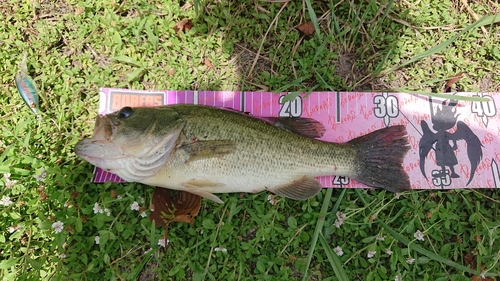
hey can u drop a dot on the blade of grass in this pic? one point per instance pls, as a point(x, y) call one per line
point(487, 20)
point(320, 223)
point(137, 73)
point(334, 19)
point(313, 17)
point(387, 10)
point(334, 260)
point(318, 229)
point(295, 83)
point(439, 95)
point(196, 6)
point(14, 171)
point(140, 267)
point(149, 254)
point(357, 21)
point(127, 59)
point(323, 82)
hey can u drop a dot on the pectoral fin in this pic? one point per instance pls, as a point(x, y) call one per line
point(197, 186)
point(301, 189)
point(208, 149)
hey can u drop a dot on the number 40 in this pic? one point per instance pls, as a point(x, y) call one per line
point(484, 108)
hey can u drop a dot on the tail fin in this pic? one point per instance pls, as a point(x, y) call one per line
point(380, 156)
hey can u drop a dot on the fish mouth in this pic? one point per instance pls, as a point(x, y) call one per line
point(104, 128)
point(100, 150)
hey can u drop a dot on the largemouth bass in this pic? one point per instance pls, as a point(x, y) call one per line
point(206, 150)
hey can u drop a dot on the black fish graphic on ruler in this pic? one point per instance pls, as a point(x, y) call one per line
point(443, 120)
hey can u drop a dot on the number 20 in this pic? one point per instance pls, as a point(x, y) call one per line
point(291, 108)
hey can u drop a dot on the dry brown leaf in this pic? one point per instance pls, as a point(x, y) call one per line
point(173, 206)
point(453, 80)
point(479, 278)
point(307, 28)
point(208, 63)
point(470, 261)
point(183, 26)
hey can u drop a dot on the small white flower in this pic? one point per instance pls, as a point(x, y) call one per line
point(338, 251)
point(163, 243)
point(483, 276)
point(201, 231)
point(143, 214)
point(340, 215)
point(134, 206)
point(58, 226)
point(41, 176)
point(11, 229)
point(338, 223)
point(340, 219)
point(97, 209)
point(10, 183)
point(220, 249)
point(410, 260)
point(6, 201)
point(389, 252)
point(380, 238)
point(62, 256)
point(419, 235)
point(142, 200)
point(371, 254)
point(398, 278)
point(107, 211)
point(97, 239)
point(67, 204)
point(271, 200)
point(119, 197)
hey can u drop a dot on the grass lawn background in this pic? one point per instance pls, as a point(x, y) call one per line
point(76, 47)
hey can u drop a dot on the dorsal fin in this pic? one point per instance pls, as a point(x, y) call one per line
point(307, 127)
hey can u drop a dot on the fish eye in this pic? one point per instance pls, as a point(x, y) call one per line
point(125, 112)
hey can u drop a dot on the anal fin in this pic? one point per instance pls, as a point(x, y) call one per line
point(301, 189)
point(196, 187)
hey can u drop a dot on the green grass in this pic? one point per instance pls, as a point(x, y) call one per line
point(75, 47)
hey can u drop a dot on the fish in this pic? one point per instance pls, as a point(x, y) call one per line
point(207, 150)
point(26, 86)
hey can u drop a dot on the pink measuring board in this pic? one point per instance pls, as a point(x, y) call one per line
point(454, 144)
